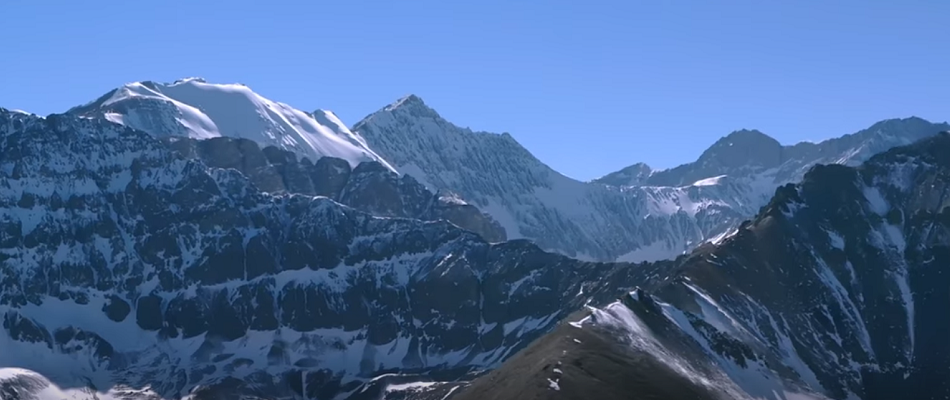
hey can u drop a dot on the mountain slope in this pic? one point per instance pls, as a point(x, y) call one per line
point(197, 109)
point(370, 187)
point(533, 201)
point(129, 271)
point(837, 289)
point(593, 220)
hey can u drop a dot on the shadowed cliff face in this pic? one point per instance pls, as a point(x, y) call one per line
point(370, 187)
point(837, 289)
point(127, 269)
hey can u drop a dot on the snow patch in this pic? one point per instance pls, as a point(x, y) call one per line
point(411, 386)
point(709, 181)
point(836, 240)
point(875, 200)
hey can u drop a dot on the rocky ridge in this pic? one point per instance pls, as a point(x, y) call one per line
point(836, 290)
point(130, 271)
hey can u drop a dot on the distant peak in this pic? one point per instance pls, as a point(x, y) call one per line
point(748, 134)
point(743, 147)
point(746, 138)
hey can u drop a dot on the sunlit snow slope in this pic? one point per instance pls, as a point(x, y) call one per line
point(197, 109)
point(634, 215)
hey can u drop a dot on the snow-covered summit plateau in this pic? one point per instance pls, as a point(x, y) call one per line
point(197, 109)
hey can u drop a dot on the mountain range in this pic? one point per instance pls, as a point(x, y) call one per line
point(196, 240)
point(613, 218)
point(837, 289)
point(635, 214)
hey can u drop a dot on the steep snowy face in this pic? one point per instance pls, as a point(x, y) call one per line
point(128, 270)
point(528, 198)
point(661, 215)
point(197, 109)
point(583, 220)
point(838, 289)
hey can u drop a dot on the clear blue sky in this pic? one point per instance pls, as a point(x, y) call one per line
point(587, 86)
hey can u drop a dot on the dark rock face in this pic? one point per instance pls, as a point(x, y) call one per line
point(124, 265)
point(837, 289)
point(369, 187)
point(571, 363)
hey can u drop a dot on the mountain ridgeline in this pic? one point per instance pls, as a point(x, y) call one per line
point(199, 241)
point(667, 214)
point(131, 270)
point(837, 289)
point(633, 215)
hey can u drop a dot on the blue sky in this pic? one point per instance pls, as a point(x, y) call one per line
point(588, 87)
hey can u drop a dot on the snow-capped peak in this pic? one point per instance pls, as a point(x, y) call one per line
point(194, 108)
